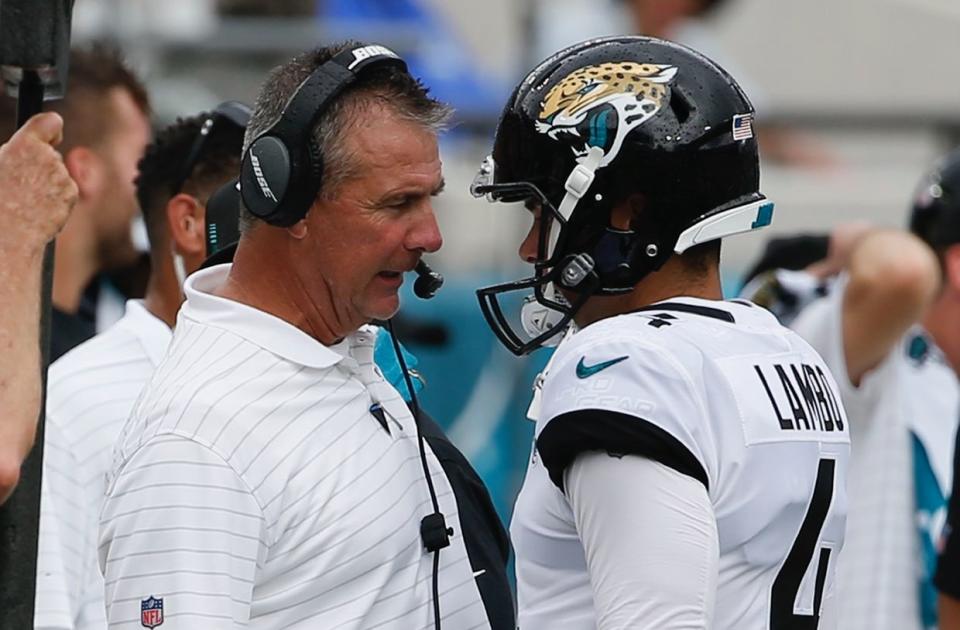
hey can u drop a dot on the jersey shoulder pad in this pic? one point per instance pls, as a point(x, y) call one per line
point(611, 388)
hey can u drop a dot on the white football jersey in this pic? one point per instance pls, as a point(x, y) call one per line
point(719, 391)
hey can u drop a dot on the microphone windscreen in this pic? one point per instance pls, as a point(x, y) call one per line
point(428, 281)
point(35, 35)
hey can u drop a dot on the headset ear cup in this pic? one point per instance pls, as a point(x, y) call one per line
point(265, 178)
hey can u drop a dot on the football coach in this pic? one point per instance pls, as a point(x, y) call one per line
point(269, 476)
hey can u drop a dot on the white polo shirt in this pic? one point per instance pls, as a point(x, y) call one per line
point(253, 486)
point(90, 393)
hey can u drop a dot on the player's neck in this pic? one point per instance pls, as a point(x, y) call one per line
point(164, 295)
point(671, 281)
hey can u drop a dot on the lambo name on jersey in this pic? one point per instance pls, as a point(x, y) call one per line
point(718, 391)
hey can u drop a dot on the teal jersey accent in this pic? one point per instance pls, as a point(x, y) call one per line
point(386, 359)
point(931, 512)
point(584, 371)
point(764, 216)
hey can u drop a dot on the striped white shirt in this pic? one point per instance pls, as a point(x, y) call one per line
point(91, 391)
point(899, 400)
point(252, 487)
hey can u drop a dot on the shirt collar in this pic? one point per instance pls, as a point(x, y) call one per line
point(258, 327)
point(152, 332)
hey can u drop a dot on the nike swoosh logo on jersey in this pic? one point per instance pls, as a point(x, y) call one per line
point(584, 370)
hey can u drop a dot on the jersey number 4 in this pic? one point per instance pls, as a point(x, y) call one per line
point(786, 586)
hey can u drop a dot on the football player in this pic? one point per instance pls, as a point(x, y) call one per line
point(690, 454)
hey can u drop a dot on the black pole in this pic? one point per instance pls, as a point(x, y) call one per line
point(20, 515)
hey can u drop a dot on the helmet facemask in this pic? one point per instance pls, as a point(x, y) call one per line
point(547, 313)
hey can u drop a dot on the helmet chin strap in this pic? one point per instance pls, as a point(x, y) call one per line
point(535, 317)
point(577, 185)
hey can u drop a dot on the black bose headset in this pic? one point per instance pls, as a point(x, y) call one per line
point(282, 169)
point(280, 175)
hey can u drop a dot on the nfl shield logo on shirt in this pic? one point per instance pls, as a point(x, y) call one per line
point(151, 612)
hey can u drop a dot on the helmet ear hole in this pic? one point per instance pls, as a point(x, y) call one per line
point(680, 105)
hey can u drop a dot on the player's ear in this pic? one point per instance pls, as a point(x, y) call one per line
point(185, 216)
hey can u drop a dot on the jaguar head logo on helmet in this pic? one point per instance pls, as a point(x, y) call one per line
point(597, 106)
point(600, 123)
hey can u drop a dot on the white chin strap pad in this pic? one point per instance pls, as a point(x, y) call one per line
point(745, 218)
point(577, 185)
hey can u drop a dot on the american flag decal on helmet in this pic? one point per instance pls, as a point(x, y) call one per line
point(743, 126)
point(151, 612)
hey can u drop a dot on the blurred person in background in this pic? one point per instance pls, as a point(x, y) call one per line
point(93, 387)
point(36, 200)
point(793, 271)
point(106, 127)
point(677, 480)
point(888, 329)
point(939, 215)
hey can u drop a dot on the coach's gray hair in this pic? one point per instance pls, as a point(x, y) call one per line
point(404, 95)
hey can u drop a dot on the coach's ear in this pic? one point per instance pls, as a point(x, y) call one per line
point(185, 222)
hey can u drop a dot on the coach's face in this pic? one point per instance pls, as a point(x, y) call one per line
point(380, 221)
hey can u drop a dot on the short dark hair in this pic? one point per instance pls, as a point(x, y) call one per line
point(162, 168)
point(95, 72)
point(699, 259)
point(386, 86)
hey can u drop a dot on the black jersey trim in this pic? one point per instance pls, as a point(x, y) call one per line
point(576, 432)
point(694, 309)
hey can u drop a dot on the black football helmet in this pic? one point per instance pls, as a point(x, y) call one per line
point(589, 127)
point(936, 207)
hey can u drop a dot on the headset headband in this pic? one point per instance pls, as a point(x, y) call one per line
point(282, 169)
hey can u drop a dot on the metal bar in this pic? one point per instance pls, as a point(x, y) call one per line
point(20, 515)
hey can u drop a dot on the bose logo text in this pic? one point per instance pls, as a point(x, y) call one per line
point(261, 180)
point(362, 54)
